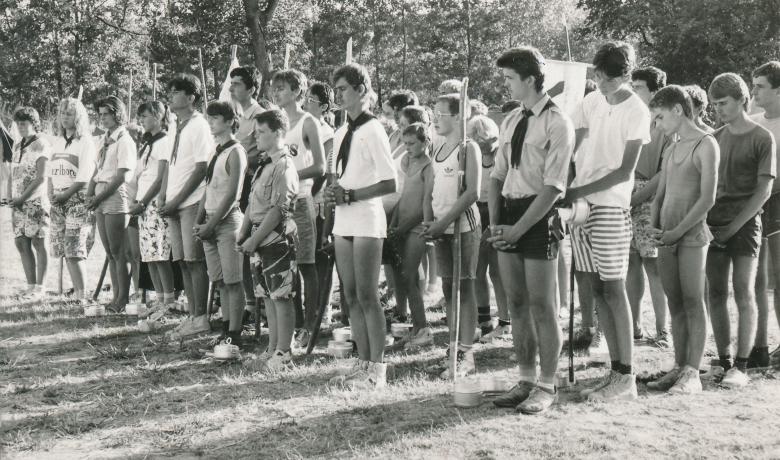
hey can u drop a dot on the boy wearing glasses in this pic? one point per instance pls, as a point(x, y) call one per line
point(617, 124)
point(448, 202)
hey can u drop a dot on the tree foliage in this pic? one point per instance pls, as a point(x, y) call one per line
point(692, 41)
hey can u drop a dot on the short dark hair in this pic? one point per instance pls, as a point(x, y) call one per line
point(188, 83)
point(323, 92)
point(418, 130)
point(653, 76)
point(158, 110)
point(249, 75)
point(28, 114)
point(729, 84)
point(453, 103)
point(770, 70)
point(670, 96)
point(526, 61)
point(416, 114)
point(698, 97)
point(295, 79)
point(355, 75)
point(510, 105)
point(115, 106)
point(615, 59)
point(402, 98)
point(276, 119)
point(224, 110)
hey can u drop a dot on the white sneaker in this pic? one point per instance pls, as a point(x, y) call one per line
point(714, 374)
point(606, 379)
point(279, 361)
point(622, 388)
point(689, 382)
point(667, 381)
point(374, 376)
point(194, 326)
point(598, 350)
point(354, 368)
point(423, 338)
point(499, 333)
point(735, 378)
point(465, 365)
point(301, 339)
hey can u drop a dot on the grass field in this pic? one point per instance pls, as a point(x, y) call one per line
point(76, 387)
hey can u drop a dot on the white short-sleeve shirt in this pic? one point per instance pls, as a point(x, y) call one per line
point(609, 128)
point(149, 164)
point(117, 151)
point(369, 163)
point(71, 162)
point(196, 145)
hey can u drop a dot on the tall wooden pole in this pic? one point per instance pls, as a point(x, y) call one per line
point(203, 80)
point(154, 81)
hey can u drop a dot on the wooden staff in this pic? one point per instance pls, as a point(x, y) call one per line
point(203, 80)
point(349, 51)
point(154, 81)
point(100, 280)
point(287, 49)
point(130, 96)
point(81, 92)
point(62, 268)
point(456, 256)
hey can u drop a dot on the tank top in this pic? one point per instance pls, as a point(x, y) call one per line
point(220, 180)
point(484, 186)
point(301, 155)
point(413, 193)
point(391, 199)
point(445, 190)
point(683, 189)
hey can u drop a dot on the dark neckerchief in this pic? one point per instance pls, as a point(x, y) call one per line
point(352, 126)
point(518, 136)
point(213, 162)
point(68, 140)
point(148, 141)
point(266, 160)
point(23, 146)
point(107, 141)
point(180, 125)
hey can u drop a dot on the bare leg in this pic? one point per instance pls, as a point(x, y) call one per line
point(617, 303)
point(414, 250)
point(774, 244)
point(285, 322)
point(635, 289)
point(670, 278)
point(544, 304)
point(311, 293)
point(367, 257)
point(24, 246)
point(586, 298)
point(345, 257)
point(524, 332)
point(76, 270)
point(116, 228)
point(718, 264)
point(744, 282)
point(606, 318)
point(563, 277)
point(762, 295)
point(134, 256)
point(200, 286)
point(657, 296)
point(691, 262)
point(42, 260)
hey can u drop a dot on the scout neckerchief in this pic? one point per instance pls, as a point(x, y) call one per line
point(213, 162)
point(148, 141)
point(352, 126)
point(179, 128)
point(518, 136)
point(24, 144)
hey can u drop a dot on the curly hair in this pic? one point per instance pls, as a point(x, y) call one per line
point(28, 114)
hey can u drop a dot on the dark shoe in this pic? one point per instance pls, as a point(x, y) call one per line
point(516, 395)
point(758, 358)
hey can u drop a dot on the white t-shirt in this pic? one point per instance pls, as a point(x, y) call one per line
point(70, 163)
point(369, 163)
point(609, 128)
point(302, 156)
point(773, 126)
point(149, 164)
point(117, 151)
point(196, 145)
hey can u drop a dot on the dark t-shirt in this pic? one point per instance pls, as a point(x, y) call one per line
point(743, 158)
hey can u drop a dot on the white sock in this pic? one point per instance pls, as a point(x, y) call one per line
point(527, 374)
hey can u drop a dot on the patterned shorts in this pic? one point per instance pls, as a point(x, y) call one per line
point(153, 235)
point(274, 268)
point(32, 221)
point(642, 241)
point(72, 228)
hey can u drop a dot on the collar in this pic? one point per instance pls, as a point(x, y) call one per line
point(539, 106)
point(114, 136)
point(249, 113)
point(284, 151)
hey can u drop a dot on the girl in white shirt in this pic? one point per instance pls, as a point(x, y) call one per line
point(72, 165)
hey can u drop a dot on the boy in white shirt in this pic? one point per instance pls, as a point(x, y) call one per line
point(617, 124)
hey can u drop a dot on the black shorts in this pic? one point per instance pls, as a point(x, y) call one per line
point(746, 242)
point(770, 217)
point(541, 240)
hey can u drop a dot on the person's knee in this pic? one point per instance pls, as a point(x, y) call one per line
point(21, 244)
point(651, 266)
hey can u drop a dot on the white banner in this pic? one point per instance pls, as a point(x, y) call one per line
point(572, 75)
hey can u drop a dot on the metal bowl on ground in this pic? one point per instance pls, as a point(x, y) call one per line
point(493, 384)
point(342, 334)
point(467, 394)
point(339, 349)
point(226, 350)
point(135, 309)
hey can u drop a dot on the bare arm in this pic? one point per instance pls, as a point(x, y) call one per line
point(618, 176)
point(646, 192)
point(471, 194)
point(40, 173)
point(311, 133)
point(658, 201)
point(762, 192)
point(494, 200)
point(154, 189)
point(538, 209)
point(192, 183)
point(112, 186)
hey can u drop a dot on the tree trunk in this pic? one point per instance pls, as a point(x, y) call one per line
point(257, 20)
point(403, 59)
point(377, 60)
point(58, 63)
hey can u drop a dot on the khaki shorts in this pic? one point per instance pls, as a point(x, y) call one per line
point(469, 254)
point(117, 203)
point(184, 246)
point(223, 261)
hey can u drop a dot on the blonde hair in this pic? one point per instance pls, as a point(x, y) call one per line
point(81, 117)
point(482, 128)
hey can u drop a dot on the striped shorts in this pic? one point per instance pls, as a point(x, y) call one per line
point(601, 244)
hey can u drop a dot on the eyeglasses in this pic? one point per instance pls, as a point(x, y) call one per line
point(313, 100)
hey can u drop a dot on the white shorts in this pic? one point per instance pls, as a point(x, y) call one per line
point(361, 219)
